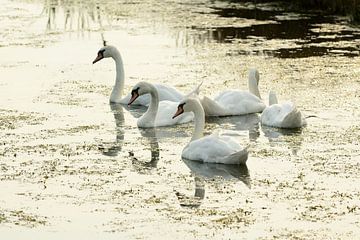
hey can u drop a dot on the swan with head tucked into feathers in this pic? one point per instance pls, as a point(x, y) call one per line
point(159, 113)
point(284, 115)
point(165, 92)
point(236, 102)
point(215, 148)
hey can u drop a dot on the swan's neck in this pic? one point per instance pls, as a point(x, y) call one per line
point(150, 115)
point(254, 84)
point(120, 78)
point(272, 98)
point(199, 122)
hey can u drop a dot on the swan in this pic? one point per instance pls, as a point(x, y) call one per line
point(236, 102)
point(215, 148)
point(284, 115)
point(159, 112)
point(165, 92)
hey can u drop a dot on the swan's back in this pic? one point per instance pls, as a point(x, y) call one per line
point(240, 102)
point(165, 93)
point(215, 148)
point(168, 93)
point(284, 115)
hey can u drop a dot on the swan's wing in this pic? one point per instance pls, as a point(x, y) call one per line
point(166, 111)
point(213, 149)
point(168, 93)
point(283, 115)
point(239, 157)
point(165, 93)
point(240, 102)
point(212, 108)
point(292, 116)
point(195, 92)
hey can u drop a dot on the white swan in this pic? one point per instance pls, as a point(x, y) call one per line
point(158, 114)
point(284, 115)
point(165, 92)
point(215, 148)
point(235, 102)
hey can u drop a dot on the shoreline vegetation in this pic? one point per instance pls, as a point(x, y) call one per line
point(350, 8)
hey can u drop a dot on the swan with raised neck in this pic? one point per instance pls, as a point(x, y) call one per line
point(253, 82)
point(191, 104)
point(149, 117)
point(111, 51)
point(214, 148)
point(159, 112)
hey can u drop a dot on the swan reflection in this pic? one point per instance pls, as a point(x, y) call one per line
point(292, 137)
point(204, 172)
point(112, 149)
point(140, 165)
point(249, 122)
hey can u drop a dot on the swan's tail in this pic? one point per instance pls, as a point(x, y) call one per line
point(239, 157)
point(293, 119)
point(195, 92)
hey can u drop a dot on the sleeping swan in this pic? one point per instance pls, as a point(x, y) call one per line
point(284, 115)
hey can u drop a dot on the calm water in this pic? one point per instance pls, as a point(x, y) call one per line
point(74, 166)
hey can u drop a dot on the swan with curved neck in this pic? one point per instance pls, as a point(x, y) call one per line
point(236, 102)
point(284, 115)
point(158, 113)
point(214, 148)
point(165, 92)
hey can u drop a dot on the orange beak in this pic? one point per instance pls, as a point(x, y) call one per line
point(179, 111)
point(134, 96)
point(98, 58)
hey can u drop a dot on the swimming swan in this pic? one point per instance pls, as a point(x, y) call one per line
point(236, 102)
point(165, 92)
point(284, 115)
point(215, 148)
point(159, 113)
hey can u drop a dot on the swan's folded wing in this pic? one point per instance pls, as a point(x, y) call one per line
point(272, 115)
point(283, 115)
point(212, 149)
point(239, 157)
point(292, 116)
point(195, 92)
point(168, 93)
point(240, 102)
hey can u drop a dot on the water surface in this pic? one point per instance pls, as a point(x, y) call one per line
point(74, 166)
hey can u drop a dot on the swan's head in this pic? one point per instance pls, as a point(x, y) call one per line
point(139, 89)
point(188, 104)
point(106, 52)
